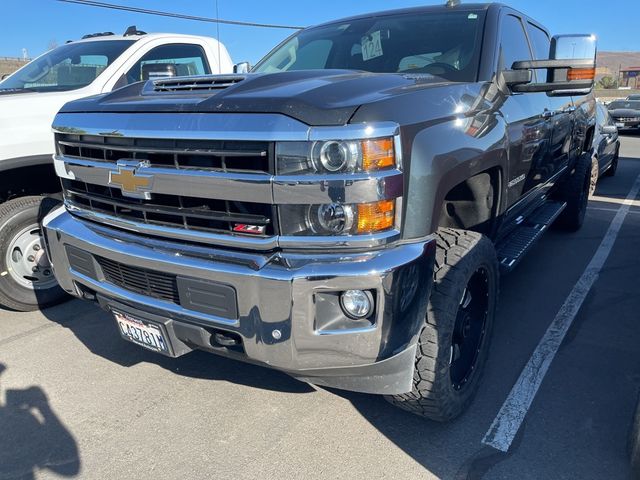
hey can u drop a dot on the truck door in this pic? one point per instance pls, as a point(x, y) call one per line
point(529, 125)
point(560, 115)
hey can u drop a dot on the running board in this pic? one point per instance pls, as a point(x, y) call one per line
point(513, 248)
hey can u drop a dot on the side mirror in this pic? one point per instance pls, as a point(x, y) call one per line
point(609, 129)
point(242, 67)
point(571, 68)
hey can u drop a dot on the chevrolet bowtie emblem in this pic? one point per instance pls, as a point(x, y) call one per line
point(131, 182)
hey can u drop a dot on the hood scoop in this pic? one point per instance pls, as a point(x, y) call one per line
point(197, 84)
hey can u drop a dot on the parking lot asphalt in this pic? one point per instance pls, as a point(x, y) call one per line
point(76, 401)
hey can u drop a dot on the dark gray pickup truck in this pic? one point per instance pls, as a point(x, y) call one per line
point(342, 212)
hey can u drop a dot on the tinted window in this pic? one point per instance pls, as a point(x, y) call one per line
point(69, 67)
point(176, 60)
point(541, 44)
point(513, 42)
point(444, 44)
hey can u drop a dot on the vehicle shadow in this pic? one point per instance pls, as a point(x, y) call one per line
point(32, 437)
point(97, 330)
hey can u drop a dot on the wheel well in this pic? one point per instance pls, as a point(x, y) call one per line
point(31, 180)
point(472, 204)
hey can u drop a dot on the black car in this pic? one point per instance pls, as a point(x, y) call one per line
point(625, 113)
point(606, 147)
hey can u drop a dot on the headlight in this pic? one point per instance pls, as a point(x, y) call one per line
point(333, 156)
point(337, 219)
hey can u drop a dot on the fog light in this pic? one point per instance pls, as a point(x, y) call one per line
point(356, 304)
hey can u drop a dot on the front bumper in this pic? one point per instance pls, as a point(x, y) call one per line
point(274, 291)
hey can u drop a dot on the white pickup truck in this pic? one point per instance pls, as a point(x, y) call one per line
point(29, 100)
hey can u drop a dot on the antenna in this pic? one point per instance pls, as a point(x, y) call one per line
point(218, 34)
point(453, 3)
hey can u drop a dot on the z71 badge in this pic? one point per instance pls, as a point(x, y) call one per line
point(254, 229)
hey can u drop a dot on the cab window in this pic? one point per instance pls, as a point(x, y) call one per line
point(177, 60)
point(541, 45)
point(513, 41)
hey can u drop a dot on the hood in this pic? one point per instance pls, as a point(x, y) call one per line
point(315, 97)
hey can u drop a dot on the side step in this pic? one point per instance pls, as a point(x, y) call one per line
point(511, 250)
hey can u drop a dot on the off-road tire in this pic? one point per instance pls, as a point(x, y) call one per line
point(575, 191)
point(459, 254)
point(611, 171)
point(16, 215)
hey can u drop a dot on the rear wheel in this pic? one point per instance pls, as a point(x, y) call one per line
point(454, 342)
point(575, 191)
point(26, 277)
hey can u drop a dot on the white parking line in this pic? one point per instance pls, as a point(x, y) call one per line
point(507, 423)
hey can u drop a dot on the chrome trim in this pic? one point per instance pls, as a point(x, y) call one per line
point(242, 187)
point(346, 242)
point(121, 294)
point(355, 131)
point(184, 126)
point(345, 188)
point(224, 240)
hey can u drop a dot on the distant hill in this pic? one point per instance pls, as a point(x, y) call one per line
point(10, 65)
point(609, 63)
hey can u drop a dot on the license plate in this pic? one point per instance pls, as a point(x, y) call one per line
point(620, 125)
point(142, 332)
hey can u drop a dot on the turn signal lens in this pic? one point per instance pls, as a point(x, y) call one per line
point(378, 154)
point(581, 74)
point(375, 217)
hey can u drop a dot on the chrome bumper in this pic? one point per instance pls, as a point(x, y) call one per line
point(275, 291)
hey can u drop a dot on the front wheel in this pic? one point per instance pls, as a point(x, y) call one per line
point(454, 342)
point(26, 277)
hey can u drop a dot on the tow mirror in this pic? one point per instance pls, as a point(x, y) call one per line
point(571, 68)
point(609, 129)
point(242, 67)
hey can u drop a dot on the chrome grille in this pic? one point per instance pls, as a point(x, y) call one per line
point(183, 212)
point(627, 119)
point(222, 156)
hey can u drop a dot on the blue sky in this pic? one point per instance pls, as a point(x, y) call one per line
point(34, 24)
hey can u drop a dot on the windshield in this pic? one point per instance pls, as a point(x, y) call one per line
point(443, 44)
point(68, 67)
point(628, 104)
